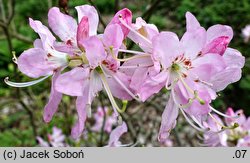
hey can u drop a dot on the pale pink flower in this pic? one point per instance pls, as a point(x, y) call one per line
point(97, 67)
point(194, 69)
point(42, 61)
point(246, 33)
point(110, 120)
point(56, 139)
point(236, 135)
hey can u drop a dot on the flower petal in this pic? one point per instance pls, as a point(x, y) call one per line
point(217, 46)
point(95, 52)
point(46, 36)
point(73, 82)
point(113, 36)
point(64, 26)
point(225, 77)
point(116, 89)
point(32, 63)
point(168, 121)
point(126, 15)
point(92, 15)
point(233, 58)
point(116, 134)
point(54, 100)
point(193, 42)
point(166, 47)
point(191, 22)
point(78, 128)
point(82, 31)
point(218, 31)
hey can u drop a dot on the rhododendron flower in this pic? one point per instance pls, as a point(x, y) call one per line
point(42, 61)
point(236, 136)
point(110, 120)
point(194, 69)
point(55, 140)
point(97, 67)
point(246, 33)
point(141, 67)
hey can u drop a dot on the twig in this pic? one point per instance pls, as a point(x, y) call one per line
point(103, 123)
point(31, 117)
point(117, 5)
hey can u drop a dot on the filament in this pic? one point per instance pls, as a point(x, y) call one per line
point(224, 115)
point(191, 123)
point(127, 59)
point(134, 31)
point(107, 89)
point(24, 84)
point(131, 51)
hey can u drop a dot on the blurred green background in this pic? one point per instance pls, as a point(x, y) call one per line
point(21, 109)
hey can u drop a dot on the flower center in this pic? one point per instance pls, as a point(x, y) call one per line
point(175, 67)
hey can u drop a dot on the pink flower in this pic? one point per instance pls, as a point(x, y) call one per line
point(96, 67)
point(141, 67)
point(42, 61)
point(236, 135)
point(194, 69)
point(55, 140)
point(246, 33)
point(99, 118)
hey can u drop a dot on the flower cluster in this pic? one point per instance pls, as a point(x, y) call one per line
point(82, 63)
point(239, 136)
point(56, 139)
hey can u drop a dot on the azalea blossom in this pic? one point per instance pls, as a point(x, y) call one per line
point(193, 69)
point(56, 139)
point(238, 136)
point(110, 120)
point(94, 64)
point(246, 33)
point(42, 61)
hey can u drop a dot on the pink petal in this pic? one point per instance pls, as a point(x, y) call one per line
point(233, 58)
point(192, 22)
point(38, 44)
point(32, 63)
point(241, 120)
point(147, 30)
point(54, 100)
point(64, 26)
point(42, 143)
point(92, 15)
point(166, 47)
point(168, 121)
point(116, 89)
point(78, 128)
point(223, 78)
point(193, 42)
point(150, 85)
point(126, 15)
point(116, 134)
point(46, 37)
point(82, 31)
point(215, 61)
point(73, 82)
point(218, 45)
point(95, 52)
point(218, 31)
point(113, 36)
